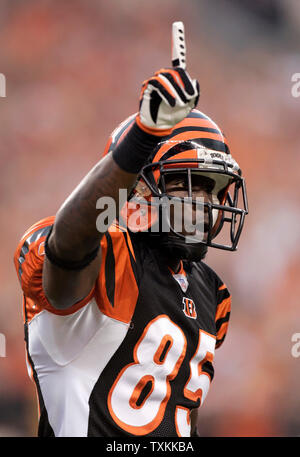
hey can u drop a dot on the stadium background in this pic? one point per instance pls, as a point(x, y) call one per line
point(73, 72)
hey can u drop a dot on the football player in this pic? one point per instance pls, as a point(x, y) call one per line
point(121, 324)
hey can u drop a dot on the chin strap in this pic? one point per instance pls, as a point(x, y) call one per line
point(176, 247)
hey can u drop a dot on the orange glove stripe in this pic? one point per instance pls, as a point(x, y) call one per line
point(151, 131)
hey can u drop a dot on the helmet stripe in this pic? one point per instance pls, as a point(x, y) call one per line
point(191, 128)
point(206, 142)
point(196, 122)
point(189, 134)
point(209, 140)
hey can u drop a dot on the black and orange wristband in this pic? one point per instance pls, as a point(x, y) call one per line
point(135, 148)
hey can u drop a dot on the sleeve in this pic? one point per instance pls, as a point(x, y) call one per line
point(222, 313)
point(117, 288)
point(29, 260)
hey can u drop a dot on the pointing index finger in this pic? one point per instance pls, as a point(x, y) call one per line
point(178, 45)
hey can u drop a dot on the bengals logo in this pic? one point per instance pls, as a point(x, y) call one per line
point(189, 308)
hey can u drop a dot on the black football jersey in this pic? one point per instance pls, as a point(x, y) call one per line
point(136, 355)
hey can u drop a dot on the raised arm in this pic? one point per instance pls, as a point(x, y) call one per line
point(73, 257)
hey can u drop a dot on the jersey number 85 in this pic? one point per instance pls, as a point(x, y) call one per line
point(158, 356)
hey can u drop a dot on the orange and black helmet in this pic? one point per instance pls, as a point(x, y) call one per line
point(196, 146)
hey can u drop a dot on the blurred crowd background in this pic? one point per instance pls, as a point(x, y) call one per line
point(73, 72)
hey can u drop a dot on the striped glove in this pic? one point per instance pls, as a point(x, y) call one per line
point(166, 99)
